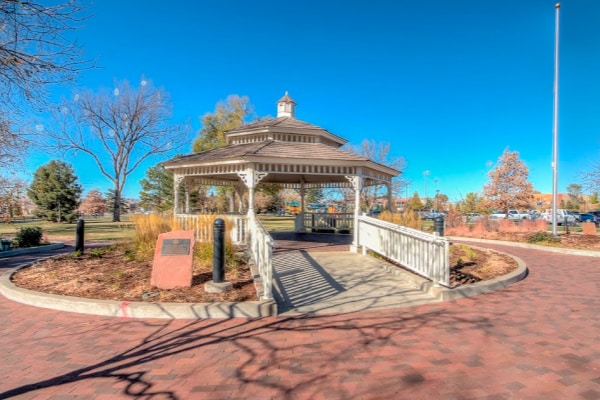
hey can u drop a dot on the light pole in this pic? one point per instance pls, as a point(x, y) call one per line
point(555, 126)
point(425, 175)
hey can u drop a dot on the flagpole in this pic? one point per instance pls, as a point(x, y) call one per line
point(555, 128)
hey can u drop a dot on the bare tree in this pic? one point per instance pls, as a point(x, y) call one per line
point(118, 129)
point(508, 186)
point(12, 146)
point(34, 48)
point(380, 153)
point(591, 178)
point(12, 193)
point(35, 53)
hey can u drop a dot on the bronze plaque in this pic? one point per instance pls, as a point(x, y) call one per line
point(175, 247)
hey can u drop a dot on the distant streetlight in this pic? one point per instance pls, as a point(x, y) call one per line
point(555, 126)
point(425, 175)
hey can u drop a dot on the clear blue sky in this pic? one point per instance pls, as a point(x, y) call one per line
point(450, 84)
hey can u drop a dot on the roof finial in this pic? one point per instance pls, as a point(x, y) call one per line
point(286, 106)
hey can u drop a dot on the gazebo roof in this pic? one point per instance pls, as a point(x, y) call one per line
point(284, 150)
point(258, 151)
point(284, 125)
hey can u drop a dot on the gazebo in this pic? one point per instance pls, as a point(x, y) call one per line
point(284, 151)
point(295, 154)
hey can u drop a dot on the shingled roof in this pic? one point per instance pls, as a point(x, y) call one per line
point(270, 149)
point(286, 124)
point(287, 149)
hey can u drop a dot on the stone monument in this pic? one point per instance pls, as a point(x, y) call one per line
point(173, 260)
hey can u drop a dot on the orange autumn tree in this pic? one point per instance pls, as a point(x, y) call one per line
point(94, 203)
point(509, 186)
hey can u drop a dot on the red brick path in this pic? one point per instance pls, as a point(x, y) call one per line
point(537, 339)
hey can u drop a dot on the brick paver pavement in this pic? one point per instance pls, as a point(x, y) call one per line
point(537, 339)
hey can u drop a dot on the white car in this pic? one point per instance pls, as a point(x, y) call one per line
point(562, 216)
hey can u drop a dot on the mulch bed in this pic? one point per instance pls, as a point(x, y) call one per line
point(110, 275)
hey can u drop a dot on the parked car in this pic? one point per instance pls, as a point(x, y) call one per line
point(497, 215)
point(587, 217)
point(472, 217)
point(517, 214)
point(514, 215)
point(575, 215)
point(562, 217)
point(596, 214)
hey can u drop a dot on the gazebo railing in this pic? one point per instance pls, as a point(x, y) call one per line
point(261, 246)
point(204, 231)
point(325, 222)
point(426, 254)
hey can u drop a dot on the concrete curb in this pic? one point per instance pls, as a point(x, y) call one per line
point(575, 252)
point(248, 309)
point(474, 289)
point(469, 290)
point(31, 250)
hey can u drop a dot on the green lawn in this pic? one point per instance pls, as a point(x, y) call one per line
point(275, 223)
point(96, 228)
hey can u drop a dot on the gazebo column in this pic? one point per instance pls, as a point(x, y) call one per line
point(357, 183)
point(300, 226)
point(187, 198)
point(390, 197)
point(251, 178)
point(177, 180)
point(239, 190)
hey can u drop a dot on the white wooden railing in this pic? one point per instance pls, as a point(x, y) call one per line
point(426, 254)
point(202, 224)
point(261, 246)
point(324, 222)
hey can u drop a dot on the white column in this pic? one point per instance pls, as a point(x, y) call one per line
point(239, 189)
point(187, 199)
point(177, 179)
point(390, 197)
point(251, 178)
point(302, 194)
point(357, 183)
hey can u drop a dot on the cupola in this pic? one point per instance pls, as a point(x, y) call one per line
point(286, 106)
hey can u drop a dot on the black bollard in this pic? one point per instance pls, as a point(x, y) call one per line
point(219, 251)
point(438, 225)
point(79, 236)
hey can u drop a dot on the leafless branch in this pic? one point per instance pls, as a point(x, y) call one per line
point(118, 129)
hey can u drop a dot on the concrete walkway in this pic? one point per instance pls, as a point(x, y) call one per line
point(319, 283)
point(537, 339)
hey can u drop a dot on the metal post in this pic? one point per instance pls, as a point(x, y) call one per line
point(555, 128)
point(219, 251)
point(79, 231)
point(438, 225)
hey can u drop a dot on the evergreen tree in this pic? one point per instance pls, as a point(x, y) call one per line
point(227, 115)
point(472, 203)
point(157, 189)
point(314, 195)
point(55, 192)
point(415, 203)
point(110, 202)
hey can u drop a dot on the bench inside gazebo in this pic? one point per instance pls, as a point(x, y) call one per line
point(293, 154)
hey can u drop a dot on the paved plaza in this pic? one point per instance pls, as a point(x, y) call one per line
point(537, 339)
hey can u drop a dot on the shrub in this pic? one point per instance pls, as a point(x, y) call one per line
point(410, 219)
point(542, 237)
point(28, 237)
point(148, 227)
